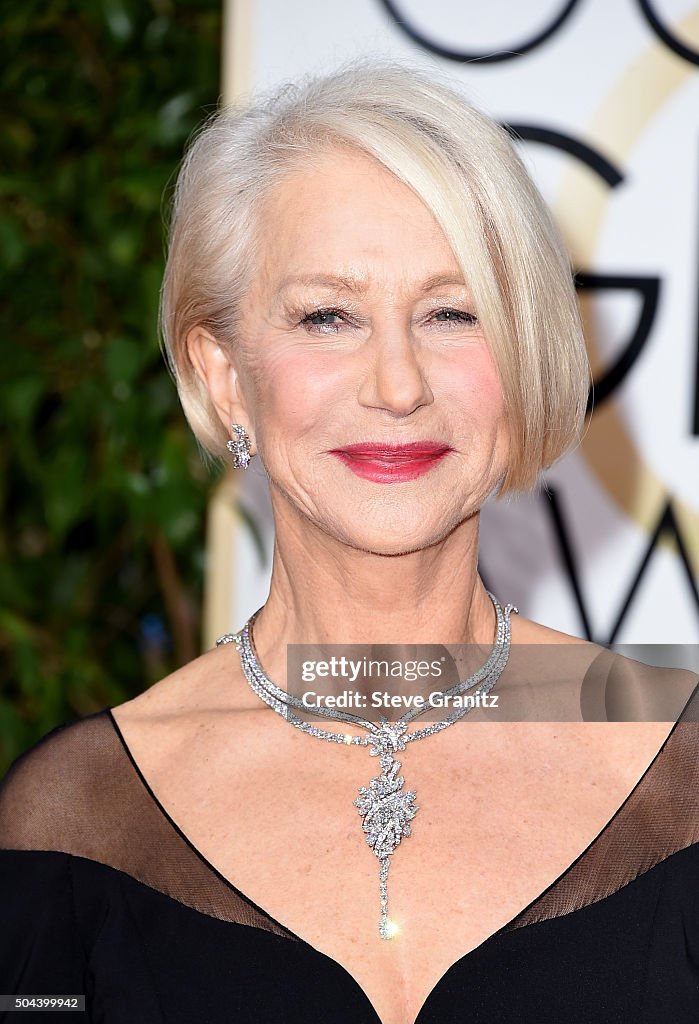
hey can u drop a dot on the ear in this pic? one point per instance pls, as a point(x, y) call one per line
point(215, 368)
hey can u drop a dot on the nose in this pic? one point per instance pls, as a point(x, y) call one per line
point(394, 378)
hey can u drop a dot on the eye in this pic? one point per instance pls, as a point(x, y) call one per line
point(456, 316)
point(319, 320)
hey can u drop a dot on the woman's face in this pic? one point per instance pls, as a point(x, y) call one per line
point(358, 327)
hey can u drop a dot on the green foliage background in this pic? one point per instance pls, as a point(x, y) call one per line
point(104, 492)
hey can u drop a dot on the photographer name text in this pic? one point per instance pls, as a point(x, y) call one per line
point(384, 699)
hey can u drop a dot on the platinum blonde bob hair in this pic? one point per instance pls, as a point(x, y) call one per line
point(465, 169)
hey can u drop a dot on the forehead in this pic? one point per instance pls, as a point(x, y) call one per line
point(346, 214)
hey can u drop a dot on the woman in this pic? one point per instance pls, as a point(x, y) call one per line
point(364, 291)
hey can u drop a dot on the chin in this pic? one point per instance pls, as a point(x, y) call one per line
point(392, 539)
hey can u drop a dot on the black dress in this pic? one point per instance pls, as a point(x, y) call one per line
point(101, 894)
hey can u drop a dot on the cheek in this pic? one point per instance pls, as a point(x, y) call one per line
point(297, 392)
point(474, 381)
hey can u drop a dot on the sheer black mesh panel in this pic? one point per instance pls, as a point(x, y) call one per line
point(659, 818)
point(77, 792)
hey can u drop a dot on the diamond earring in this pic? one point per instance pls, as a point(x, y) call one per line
point(239, 446)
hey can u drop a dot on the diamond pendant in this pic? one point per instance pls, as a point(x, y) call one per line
point(386, 810)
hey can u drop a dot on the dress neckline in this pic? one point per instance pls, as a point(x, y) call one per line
point(464, 958)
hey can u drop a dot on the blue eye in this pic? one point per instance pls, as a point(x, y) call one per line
point(458, 316)
point(315, 316)
point(322, 314)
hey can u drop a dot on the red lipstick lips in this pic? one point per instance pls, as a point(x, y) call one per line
point(384, 463)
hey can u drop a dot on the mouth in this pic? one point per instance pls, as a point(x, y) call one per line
point(384, 463)
point(389, 452)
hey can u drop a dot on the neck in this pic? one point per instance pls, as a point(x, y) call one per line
point(323, 591)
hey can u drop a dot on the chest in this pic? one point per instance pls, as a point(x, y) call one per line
point(500, 813)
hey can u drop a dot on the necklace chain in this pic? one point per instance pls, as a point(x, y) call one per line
point(385, 808)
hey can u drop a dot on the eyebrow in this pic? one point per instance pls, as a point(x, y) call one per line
point(359, 286)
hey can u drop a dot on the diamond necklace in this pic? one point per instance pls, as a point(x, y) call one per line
point(385, 808)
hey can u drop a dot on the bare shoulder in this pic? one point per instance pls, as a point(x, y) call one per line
point(208, 684)
point(634, 689)
point(527, 631)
